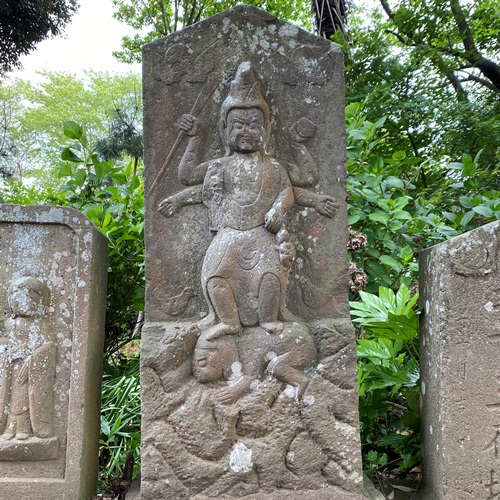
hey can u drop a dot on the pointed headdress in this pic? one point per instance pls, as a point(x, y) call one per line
point(245, 93)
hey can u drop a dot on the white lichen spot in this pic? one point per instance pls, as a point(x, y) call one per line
point(427, 307)
point(291, 391)
point(430, 429)
point(255, 384)
point(309, 400)
point(63, 308)
point(66, 343)
point(489, 306)
point(344, 428)
point(288, 30)
point(240, 459)
point(236, 374)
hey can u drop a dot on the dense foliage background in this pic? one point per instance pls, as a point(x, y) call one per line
point(423, 122)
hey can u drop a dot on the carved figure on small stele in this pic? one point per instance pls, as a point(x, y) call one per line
point(27, 372)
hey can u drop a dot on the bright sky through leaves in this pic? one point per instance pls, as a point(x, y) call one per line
point(87, 43)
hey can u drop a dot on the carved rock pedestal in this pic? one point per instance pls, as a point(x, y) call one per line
point(53, 269)
point(460, 347)
point(248, 375)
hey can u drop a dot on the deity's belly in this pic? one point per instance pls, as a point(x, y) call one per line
point(243, 258)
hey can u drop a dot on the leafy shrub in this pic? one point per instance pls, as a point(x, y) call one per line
point(120, 422)
point(112, 197)
point(388, 376)
point(405, 203)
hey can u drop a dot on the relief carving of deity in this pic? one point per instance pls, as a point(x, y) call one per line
point(248, 194)
point(27, 373)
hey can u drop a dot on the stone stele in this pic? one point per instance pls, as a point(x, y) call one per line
point(53, 269)
point(460, 347)
point(248, 375)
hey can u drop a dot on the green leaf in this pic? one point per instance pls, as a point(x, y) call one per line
point(67, 154)
point(398, 155)
point(119, 179)
point(379, 217)
point(65, 170)
point(391, 262)
point(374, 349)
point(484, 211)
point(352, 219)
point(105, 427)
point(73, 130)
point(80, 176)
point(469, 170)
point(466, 218)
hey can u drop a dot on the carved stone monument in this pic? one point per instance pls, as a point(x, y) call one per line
point(53, 267)
point(248, 354)
point(460, 348)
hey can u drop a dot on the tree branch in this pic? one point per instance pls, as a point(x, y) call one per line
point(488, 68)
point(481, 81)
point(399, 37)
point(387, 9)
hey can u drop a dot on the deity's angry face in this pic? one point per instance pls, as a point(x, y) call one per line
point(245, 130)
point(207, 365)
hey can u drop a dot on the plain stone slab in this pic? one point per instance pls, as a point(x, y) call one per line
point(54, 259)
point(460, 347)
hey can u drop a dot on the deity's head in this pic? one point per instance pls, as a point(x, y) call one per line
point(28, 297)
point(212, 359)
point(245, 116)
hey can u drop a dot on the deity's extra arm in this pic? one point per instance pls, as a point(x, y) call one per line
point(303, 171)
point(283, 202)
point(189, 196)
point(325, 205)
point(191, 168)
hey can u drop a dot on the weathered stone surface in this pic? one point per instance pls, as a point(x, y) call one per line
point(53, 269)
point(460, 345)
point(248, 362)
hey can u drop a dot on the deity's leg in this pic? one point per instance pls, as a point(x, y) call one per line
point(23, 430)
point(224, 303)
point(10, 429)
point(20, 408)
point(282, 367)
point(269, 303)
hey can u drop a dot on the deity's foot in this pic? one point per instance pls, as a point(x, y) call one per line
point(44, 434)
point(10, 432)
point(220, 330)
point(273, 327)
point(22, 436)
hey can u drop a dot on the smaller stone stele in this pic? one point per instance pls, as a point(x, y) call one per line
point(53, 269)
point(460, 373)
point(248, 359)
